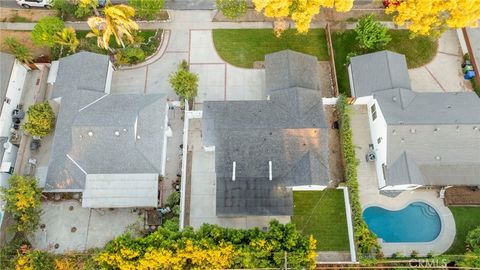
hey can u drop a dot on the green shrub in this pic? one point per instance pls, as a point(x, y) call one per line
point(184, 82)
point(473, 240)
point(35, 260)
point(130, 55)
point(146, 9)
point(40, 119)
point(173, 199)
point(20, 52)
point(365, 240)
point(372, 35)
point(64, 7)
point(43, 33)
point(232, 8)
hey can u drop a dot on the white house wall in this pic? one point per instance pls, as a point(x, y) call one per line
point(14, 94)
point(378, 129)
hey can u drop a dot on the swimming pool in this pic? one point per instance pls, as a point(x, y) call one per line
point(418, 222)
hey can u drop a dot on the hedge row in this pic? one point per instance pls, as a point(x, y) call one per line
point(366, 241)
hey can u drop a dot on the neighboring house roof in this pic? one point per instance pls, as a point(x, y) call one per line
point(81, 71)
point(378, 71)
point(6, 66)
point(289, 130)
point(291, 69)
point(104, 134)
point(433, 138)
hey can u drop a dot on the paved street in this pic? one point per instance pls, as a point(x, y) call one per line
point(169, 4)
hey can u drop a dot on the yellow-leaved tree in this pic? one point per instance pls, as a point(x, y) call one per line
point(300, 11)
point(432, 17)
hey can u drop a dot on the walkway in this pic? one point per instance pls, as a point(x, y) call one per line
point(370, 195)
point(444, 72)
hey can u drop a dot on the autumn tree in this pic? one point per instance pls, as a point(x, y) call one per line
point(22, 199)
point(67, 38)
point(300, 11)
point(433, 17)
point(40, 119)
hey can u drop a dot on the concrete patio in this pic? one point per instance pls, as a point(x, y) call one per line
point(69, 227)
point(370, 194)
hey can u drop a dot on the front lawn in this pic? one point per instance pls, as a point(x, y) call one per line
point(322, 214)
point(242, 47)
point(466, 219)
point(418, 51)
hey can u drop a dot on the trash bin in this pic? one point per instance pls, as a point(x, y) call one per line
point(469, 75)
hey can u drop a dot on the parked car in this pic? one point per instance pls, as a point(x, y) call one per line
point(34, 3)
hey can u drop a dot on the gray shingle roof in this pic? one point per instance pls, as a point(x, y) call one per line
point(379, 71)
point(98, 133)
point(6, 66)
point(289, 130)
point(82, 71)
point(433, 138)
point(286, 69)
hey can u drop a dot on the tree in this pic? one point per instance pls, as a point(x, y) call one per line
point(86, 8)
point(300, 11)
point(184, 82)
point(40, 119)
point(18, 50)
point(371, 35)
point(63, 6)
point(68, 38)
point(22, 199)
point(232, 8)
point(43, 33)
point(117, 21)
point(433, 17)
point(147, 9)
point(473, 240)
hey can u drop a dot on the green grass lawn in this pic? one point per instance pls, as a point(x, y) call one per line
point(466, 219)
point(242, 47)
point(418, 51)
point(322, 214)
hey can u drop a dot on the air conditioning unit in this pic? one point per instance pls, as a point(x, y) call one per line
point(370, 156)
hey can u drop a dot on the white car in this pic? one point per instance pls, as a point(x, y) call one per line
point(34, 3)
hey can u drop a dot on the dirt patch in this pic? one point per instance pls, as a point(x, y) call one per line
point(326, 79)
point(24, 15)
point(462, 196)
point(24, 37)
point(335, 156)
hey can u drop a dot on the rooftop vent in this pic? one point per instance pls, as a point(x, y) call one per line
point(394, 98)
point(270, 170)
point(117, 133)
point(438, 157)
point(233, 170)
point(435, 130)
point(90, 133)
point(413, 131)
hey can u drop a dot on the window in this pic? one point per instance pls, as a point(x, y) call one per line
point(373, 109)
point(7, 100)
point(379, 140)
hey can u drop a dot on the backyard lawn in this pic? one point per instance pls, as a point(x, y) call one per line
point(466, 219)
point(418, 51)
point(242, 47)
point(322, 214)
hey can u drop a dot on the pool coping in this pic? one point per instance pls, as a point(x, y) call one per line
point(437, 246)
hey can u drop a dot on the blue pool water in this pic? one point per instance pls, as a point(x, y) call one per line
point(418, 222)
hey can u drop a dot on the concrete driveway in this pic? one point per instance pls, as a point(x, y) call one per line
point(444, 72)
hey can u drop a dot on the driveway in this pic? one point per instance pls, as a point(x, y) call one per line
point(444, 72)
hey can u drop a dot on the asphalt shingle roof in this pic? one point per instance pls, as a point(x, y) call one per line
point(289, 130)
point(6, 66)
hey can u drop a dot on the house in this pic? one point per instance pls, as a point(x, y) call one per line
point(12, 79)
point(264, 149)
point(109, 147)
point(418, 139)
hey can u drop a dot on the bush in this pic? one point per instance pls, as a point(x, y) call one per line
point(414, 254)
point(211, 247)
point(146, 9)
point(22, 199)
point(173, 199)
point(130, 55)
point(18, 50)
point(232, 8)
point(44, 31)
point(35, 260)
point(372, 35)
point(40, 119)
point(184, 82)
point(473, 240)
point(365, 240)
point(64, 7)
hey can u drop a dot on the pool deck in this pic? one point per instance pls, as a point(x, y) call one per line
point(370, 195)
